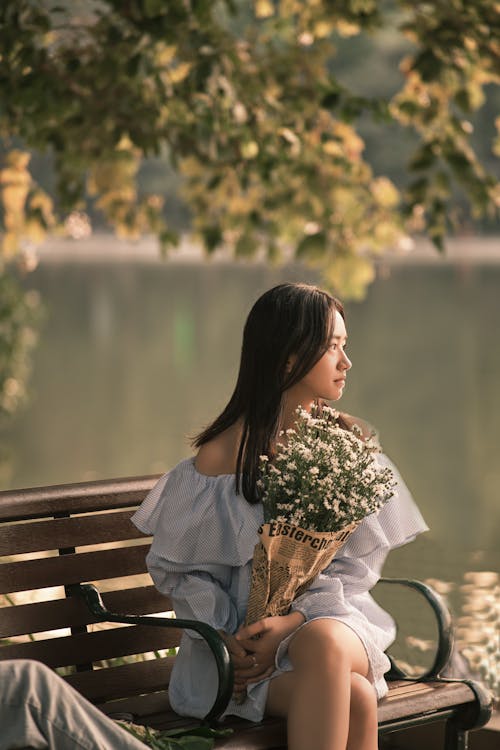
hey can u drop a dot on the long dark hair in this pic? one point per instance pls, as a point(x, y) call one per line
point(289, 319)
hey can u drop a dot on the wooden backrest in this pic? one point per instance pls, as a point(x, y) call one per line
point(51, 540)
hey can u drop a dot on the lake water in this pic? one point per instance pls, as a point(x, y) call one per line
point(133, 357)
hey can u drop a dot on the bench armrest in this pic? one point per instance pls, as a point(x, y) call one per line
point(444, 624)
point(95, 604)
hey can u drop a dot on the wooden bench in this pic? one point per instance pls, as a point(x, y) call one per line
point(55, 540)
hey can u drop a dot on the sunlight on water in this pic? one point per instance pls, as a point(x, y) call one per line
point(478, 625)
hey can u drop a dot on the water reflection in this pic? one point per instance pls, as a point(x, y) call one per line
point(478, 625)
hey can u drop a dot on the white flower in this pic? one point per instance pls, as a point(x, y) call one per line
point(324, 477)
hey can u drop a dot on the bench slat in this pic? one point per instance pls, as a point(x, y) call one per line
point(61, 533)
point(65, 569)
point(271, 733)
point(123, 681)
point(416, 698)
point(72, 612)
point(145, 706)
point(100, 645)
point(23, 504)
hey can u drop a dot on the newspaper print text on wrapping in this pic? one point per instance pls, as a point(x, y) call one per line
point(286, 560)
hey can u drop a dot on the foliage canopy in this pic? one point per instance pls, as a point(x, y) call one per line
point(243, 100)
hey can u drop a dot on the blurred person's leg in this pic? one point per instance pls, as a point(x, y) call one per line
point(39, 710)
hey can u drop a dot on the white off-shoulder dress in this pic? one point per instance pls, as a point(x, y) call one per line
point(201, 556)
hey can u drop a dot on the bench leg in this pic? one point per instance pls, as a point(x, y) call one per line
point(455, 738)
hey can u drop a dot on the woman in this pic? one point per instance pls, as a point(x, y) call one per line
point(322, 664)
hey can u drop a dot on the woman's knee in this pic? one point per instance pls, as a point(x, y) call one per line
point(323, 643)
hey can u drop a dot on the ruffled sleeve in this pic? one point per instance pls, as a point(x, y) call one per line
point(397, 523)
point(201, 532)
point(358, 565)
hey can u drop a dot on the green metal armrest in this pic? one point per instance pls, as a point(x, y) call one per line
point(215, 642)
point(471, 716)
point(445, 630)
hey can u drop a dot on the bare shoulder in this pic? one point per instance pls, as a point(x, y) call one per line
point(367, 429)
point(219, 455)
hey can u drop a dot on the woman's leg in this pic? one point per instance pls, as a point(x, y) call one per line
point(363, 722)
point(329, 703)
point(39, 710)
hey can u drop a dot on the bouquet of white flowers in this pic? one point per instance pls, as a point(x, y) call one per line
point(318, 487)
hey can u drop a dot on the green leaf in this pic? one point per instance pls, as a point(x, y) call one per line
point(73, 64)
point(381, 110)
point(311, 247)
point(438, 242)
point(168, 239)
point(190, 738)
point(212, 237)
point(273, 252)
point(409, 108)
point(153, 8)
point(246, 246)
point(428, 65)
point(423, 158)
point(201, 731)
point(134, 64)
point(353, 107)
point(459, 163)
point(214, 181)
point(330, 99)
point(418, 189)
point(442, 182)
point(462, 98)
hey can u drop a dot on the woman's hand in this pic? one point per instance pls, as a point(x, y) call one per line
point(261, 641)
point(243, 662)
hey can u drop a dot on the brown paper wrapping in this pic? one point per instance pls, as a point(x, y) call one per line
point(285, 562)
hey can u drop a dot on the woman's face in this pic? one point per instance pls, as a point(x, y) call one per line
point(326, 380)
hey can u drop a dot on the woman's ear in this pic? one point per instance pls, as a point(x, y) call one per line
point(290, 363)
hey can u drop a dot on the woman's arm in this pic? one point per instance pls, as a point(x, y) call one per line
point(196, 594)
point(203, 595)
